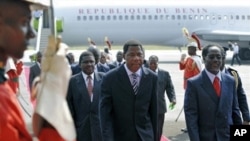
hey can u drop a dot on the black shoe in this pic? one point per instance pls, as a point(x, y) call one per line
point(184, 130)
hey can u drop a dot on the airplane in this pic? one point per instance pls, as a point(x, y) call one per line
point(154, 22)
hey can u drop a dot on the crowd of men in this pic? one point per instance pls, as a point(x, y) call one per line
point(117, 100)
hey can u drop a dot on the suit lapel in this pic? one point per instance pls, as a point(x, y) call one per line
point(82, 88)
point(144, 77)
point(224, 90)
point(125, 80)
point(208, 87)
point(97, 81)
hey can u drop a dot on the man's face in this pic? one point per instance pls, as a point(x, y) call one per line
point(15, 30)
point(153, 64)
point(88, 64)
point(134, 58)
point(119, 56)
point(213, 60)
point(191, 50)
point(103, 58)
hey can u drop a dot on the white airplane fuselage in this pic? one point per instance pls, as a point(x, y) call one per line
point(153, 22)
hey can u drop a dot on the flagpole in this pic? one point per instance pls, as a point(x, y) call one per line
point(52, 18)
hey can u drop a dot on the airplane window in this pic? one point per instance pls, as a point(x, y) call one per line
point(126, 17)
point(173, 17)
point(243, 17)
point(225, 17)
point(78, 18)
point(190, 17)
point(178, 17)
point(103, 18)
point(150, 17)
point(132, 17)
point(144, 17)
point(167, 17)
point(156, 17)
point(108, 17)
point(202, 17)
point(97, 18)
point(237, 17)
point(90, 18)
point(184, 17)
point(207, 17)
point(231, 17)
point(120, 17)
point(248, 17)
point(114, 17)
point(219, 17)
point(195, 17)
point(213, 17)
point(85, 18)
point(138, 17)
point(161, 17)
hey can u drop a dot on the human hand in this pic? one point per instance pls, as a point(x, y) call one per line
point(172, 105)
point(183, 56)
point(246, 123)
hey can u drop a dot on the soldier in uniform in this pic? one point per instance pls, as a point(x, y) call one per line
point(242, 99)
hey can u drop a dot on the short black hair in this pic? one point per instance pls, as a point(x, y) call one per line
point(96, 52)
point(207, 47)
point(85, 54)
point(131, 43)
point(153, 57)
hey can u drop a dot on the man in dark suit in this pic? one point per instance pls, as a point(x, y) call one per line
point(242, 99)
point(83, 99)
point(119, 59)
point(35, 69)
point(164, 85)
point(128, 106)
point(210, 103)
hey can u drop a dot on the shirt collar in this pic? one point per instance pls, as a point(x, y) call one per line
point(138, 72)
point(212, 76)
point(85, 76)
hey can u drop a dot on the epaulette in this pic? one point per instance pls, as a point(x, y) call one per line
point(234, 73)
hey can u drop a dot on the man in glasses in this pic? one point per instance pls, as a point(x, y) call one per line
point(210, 103)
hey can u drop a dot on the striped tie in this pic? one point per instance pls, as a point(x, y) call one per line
point(134, 82)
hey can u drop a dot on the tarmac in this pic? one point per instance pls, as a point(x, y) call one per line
point(169, 61)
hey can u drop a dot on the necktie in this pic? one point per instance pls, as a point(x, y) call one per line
point(134, 82)
point(89, 85)
point(119, 63)
point(216, 85)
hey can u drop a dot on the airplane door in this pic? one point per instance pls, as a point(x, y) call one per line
point(213, 19)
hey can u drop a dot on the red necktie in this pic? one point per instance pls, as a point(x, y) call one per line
point(89, 85)
point(216, 85)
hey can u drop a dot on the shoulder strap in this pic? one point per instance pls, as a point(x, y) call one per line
point(235, 75)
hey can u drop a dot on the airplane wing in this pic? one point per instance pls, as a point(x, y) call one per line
point(222, 35)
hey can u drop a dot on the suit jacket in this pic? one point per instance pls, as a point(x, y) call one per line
point(75, 68)
point(35, 71)
point(102, 68)
point(208, 117)
point(124, 115)
point(84, 112)
point(164, 85)
point(242, 99)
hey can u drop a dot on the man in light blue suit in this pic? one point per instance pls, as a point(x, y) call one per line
point(208, 113)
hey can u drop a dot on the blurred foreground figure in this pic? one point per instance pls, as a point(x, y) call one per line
point(15, 33)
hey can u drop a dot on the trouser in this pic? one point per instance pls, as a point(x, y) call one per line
point(235, 56)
